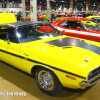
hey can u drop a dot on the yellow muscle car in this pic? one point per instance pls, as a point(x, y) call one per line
point(95, 17)
point(55, 60)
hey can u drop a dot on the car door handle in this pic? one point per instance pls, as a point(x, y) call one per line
point(26, 54)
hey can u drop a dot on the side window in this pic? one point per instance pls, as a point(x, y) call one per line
point(3, 35)
point(67, 24)
point(33, 32)
point(64, 24)
point(71, 24)
point(12, 36)
point(82, 27)
point(7, 33)
point(22, 33)
point(74, 24)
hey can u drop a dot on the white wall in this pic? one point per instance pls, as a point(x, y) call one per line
point(10, 9)
point(0, 4)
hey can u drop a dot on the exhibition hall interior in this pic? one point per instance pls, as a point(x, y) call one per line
point(49, 49)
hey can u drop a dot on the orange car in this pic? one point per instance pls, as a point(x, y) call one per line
point(40, 17)
point(26, 18)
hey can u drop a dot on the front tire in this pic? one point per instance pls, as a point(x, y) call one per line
point(47, 81)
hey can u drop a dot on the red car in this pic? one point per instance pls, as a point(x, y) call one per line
point(79, 27)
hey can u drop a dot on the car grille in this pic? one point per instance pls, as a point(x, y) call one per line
point(94, 75)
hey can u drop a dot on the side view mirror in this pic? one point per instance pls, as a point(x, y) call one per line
point(79, 28)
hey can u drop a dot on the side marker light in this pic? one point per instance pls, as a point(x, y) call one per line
point(70, 77)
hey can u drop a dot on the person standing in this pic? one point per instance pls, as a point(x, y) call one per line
point(84, 15)
point(53, 15)
point(18, 17)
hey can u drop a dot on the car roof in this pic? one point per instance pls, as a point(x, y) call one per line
point(23, 23)
point(77, 18)
point(71, 19)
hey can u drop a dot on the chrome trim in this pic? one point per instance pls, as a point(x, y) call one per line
point(91, 71)
point(93, 78)
point(94, 82)
point(85, 84)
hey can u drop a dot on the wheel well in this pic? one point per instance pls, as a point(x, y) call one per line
point(35, 67)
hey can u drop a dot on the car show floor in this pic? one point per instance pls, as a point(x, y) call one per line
point(17, 85)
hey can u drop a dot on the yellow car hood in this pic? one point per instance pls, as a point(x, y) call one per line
point(68, 54)
point(93, 16)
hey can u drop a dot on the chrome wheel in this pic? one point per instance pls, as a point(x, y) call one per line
point(45, 80)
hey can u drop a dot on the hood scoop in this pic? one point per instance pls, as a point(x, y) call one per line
point(66, 47)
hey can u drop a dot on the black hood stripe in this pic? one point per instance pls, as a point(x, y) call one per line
point(43, 64)
point(74, 42)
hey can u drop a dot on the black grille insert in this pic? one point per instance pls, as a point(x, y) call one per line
point(94, 75)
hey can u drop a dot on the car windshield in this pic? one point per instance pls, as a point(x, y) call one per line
point(91, 24)
point(96, 19)
point(36, 32)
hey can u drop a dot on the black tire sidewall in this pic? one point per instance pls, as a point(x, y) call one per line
point(55, 89)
